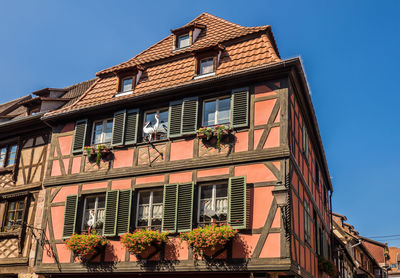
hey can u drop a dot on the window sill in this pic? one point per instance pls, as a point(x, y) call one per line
point(10, 234)
point(120, 94)
point(7, 169)
point(204, 75)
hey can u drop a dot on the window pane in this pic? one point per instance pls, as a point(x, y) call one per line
point(90, 203)
point(158, 197)
point(108, 131)
point(206, 66)
point(206, 192)
point(12, 206)
point(3, 152)
point(157, 211)
point(209, 113)
point(12, 155)
point(183, 41)
point(127, 84)
point(101, 202)
point(224, 110)
point(98, 129)
point(10, 218)
point(163, 125)
point(222, 190)
point(144, 197)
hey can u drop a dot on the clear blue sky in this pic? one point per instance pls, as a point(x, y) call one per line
point(350, 51)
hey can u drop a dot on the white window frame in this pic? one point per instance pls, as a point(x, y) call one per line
point(213, 65)
point(213, 200)
point(150, 217)
point(103, 134)
point(95, 208)
point(217, 99)
point(122, 85)
point(178, 46)
point(157, 111)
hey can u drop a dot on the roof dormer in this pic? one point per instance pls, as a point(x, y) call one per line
point(187, 35)
point(128, 79)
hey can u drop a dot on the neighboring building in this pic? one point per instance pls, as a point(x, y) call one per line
point(394, 262)
point(24, 142)
point(354, 255)
point(208, 72)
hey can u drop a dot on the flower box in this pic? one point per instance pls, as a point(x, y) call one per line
point(207, 239)
point(214, 135)
point(98, 153)
point(143, 243)
point(86, 246)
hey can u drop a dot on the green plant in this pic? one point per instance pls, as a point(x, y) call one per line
point(140, 240)
point(327, 266)
point(86, 244)
point(209, 236)
point(208, 132)
point(97, 151)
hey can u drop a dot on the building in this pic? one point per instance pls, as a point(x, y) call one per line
point(394, 262)
point(24, 141)
point(208, 72)
point(354, 255)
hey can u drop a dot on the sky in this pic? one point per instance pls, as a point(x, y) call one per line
point(350, 51)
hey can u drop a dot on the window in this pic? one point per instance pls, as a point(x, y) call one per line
point(8, 155)
point(155, 125)
point(183, 41)
point(394, 266)
point(206, 66)
point(126, 85)
point(307, 220)
point(217, 111)
point(14, 215)
point(150, 209)
point(102, 131)
point(93, 213)
point(213, 203)
point(305, 141)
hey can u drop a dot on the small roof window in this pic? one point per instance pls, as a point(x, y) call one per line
point(183, 41)
point(206, 66)
point(126, 85)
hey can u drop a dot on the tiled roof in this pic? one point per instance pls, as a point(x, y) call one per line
point(251, 50)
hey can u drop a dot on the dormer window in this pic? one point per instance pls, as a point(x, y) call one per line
point(206, 66)
point(126, 85)
point(183, 41)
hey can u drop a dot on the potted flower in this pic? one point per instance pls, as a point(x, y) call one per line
point(85, 246)
point(327, 266)
point(96, 153)
point(141, 241)
point(210, 237)
point(218, 131)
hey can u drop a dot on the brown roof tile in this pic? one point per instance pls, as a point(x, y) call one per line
point(251, 51)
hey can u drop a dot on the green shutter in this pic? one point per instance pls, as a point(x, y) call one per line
point(189, 115)
point(118, 129)
point(237, 202)
point(175, 119)
point(110, 218)
point(240, 108)
point(185, 207)
point(170, 208)
point(131, 126)
point(79, 136)
point(124, 211)
point(71, 204)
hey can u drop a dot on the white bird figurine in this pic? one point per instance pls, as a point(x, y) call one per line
point(150, 130)
point(90, 222)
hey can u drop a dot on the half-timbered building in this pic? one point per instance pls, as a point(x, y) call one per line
point(24, 142)
point(266, 175)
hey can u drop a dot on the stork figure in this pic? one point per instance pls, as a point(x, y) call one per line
point(90, 222)
point(150, 130)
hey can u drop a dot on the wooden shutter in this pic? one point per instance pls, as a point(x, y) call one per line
point(79, 136)
point(118, 129)
point(71, 204)
point(131, 126)
point(237, 202)
point(175, 119)
point(110, 218)
point(124, 211)
point(240, 108)
point(185, 207)
point(170, 207)
point(189, 115)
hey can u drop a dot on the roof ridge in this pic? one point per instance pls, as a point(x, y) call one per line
point(219, 18)
point(14, 100)
point(80, 83)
